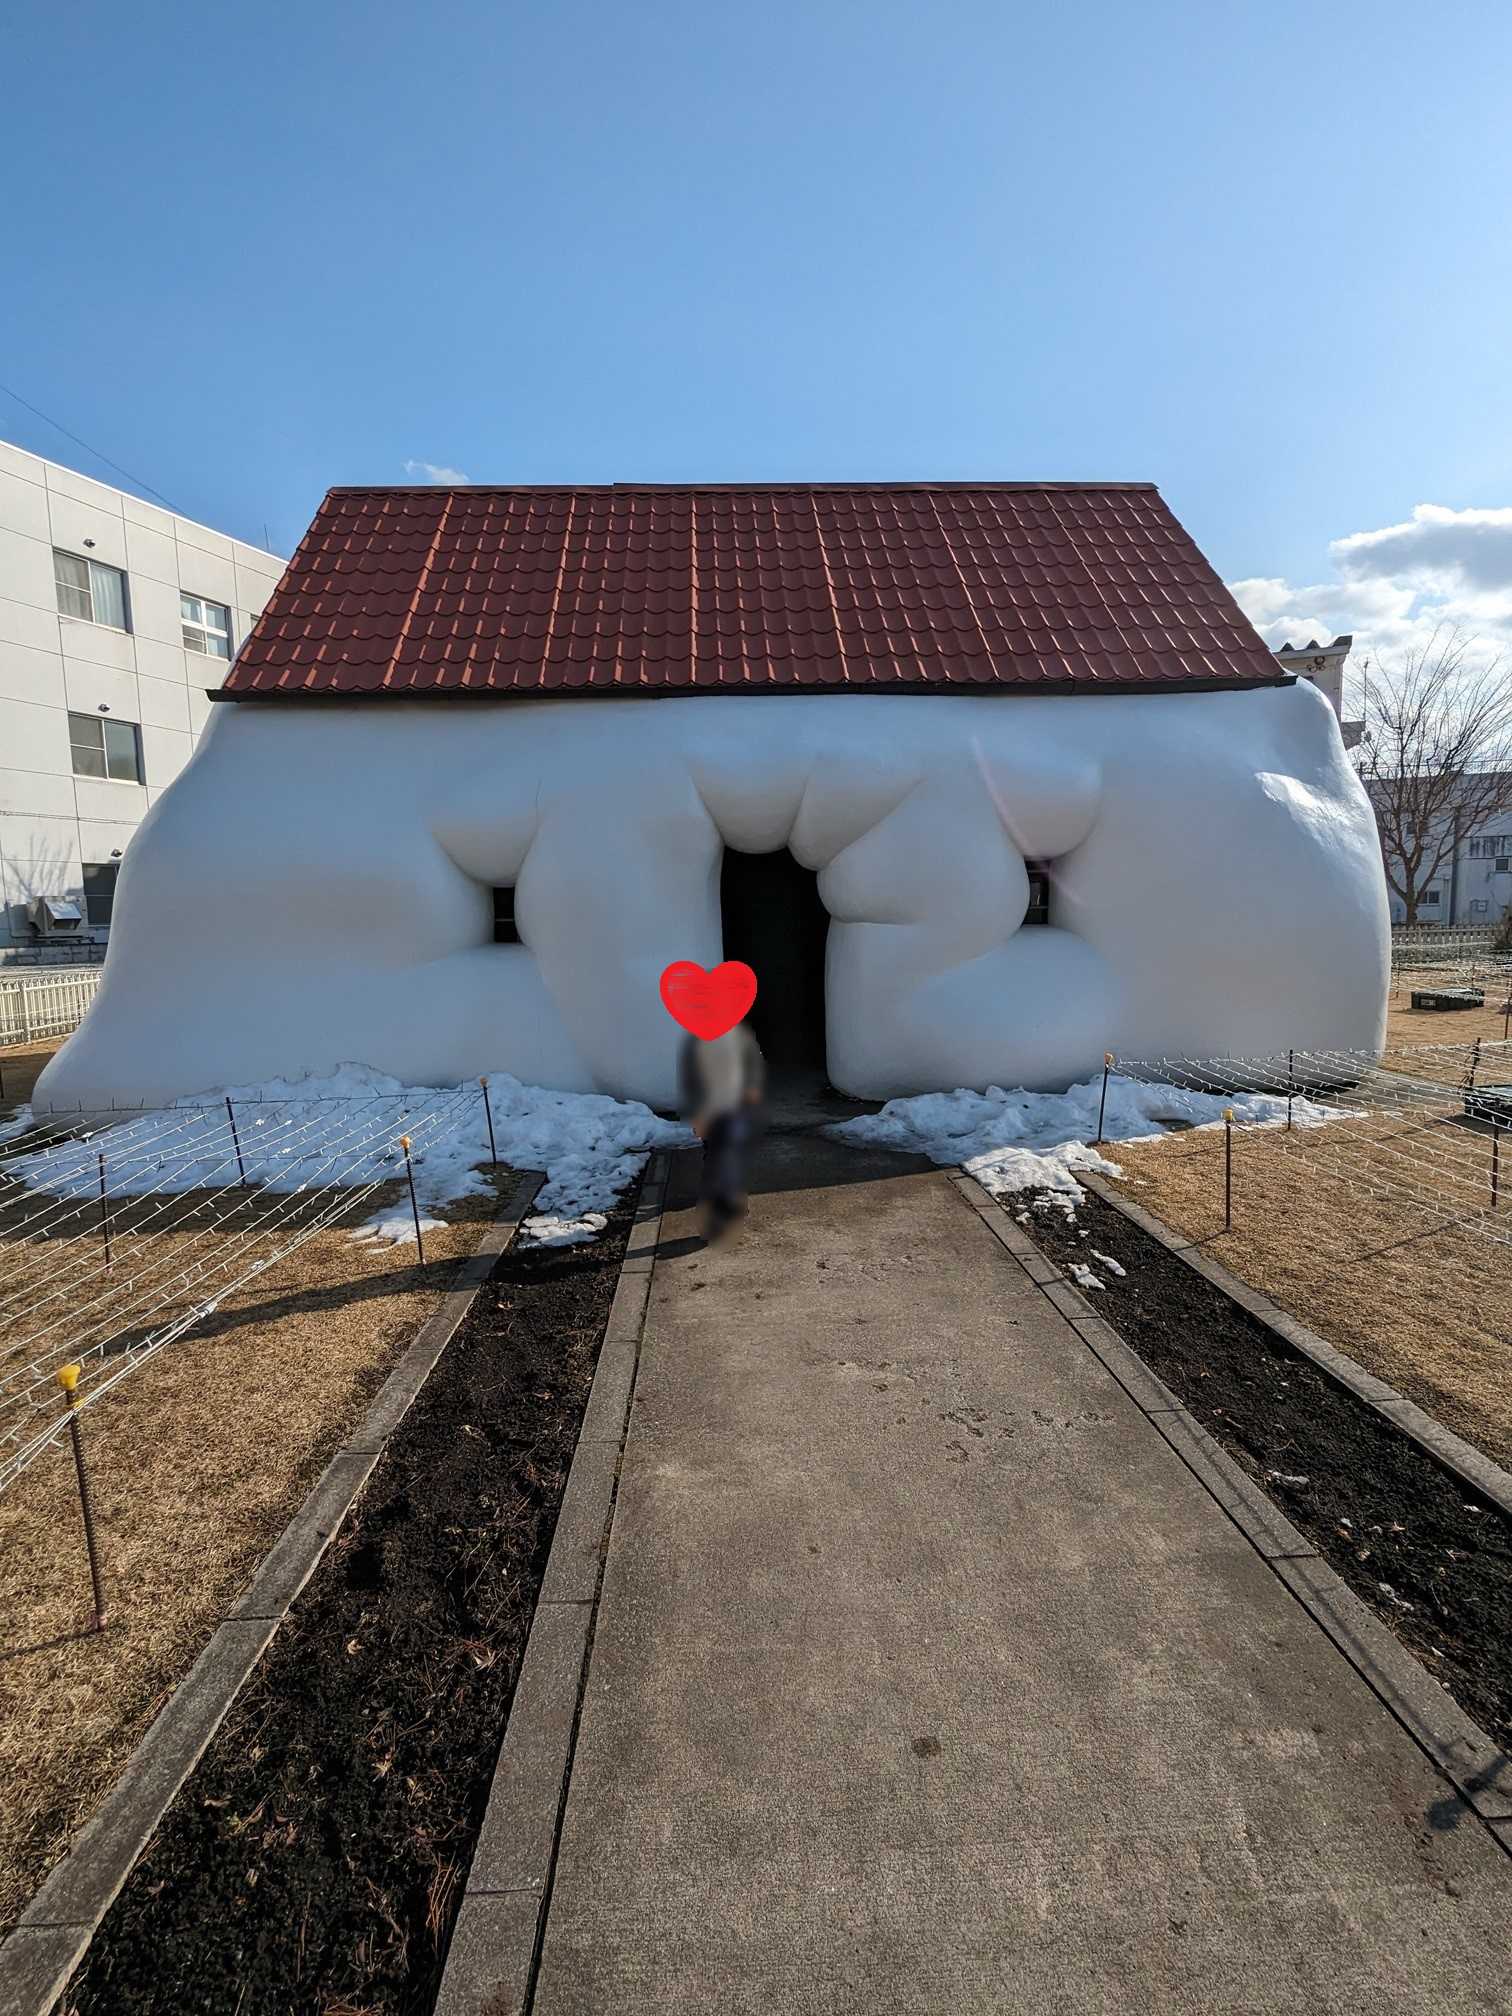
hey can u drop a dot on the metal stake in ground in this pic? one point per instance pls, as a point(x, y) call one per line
point(1474, 1062)
point(104, 1210)
point(488, 1109)
point(1228, 1168)
point(1291, 1085)
point(241, 1167)
point(68, 1379)
point(1495, 1164)
point(1102, 1104)
point(409, 1170)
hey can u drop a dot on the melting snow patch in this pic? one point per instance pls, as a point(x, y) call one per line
point(344, 1129)
point(1012, 1141)
point(1084, 1277)
point(1107, 1260)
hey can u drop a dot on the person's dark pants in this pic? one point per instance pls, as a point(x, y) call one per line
point(724, 1158)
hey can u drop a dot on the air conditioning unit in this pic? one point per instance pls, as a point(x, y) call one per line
point(56, 917)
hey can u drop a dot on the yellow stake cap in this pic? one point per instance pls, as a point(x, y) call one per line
point(1107, 1056)
point(484, 1083)
point(68, 1376)
point(404, 1142)
point(1228, 1113)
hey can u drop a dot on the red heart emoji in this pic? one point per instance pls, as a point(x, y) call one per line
point(707, 1004)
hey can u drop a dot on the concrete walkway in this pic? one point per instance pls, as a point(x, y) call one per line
point(928, 1678)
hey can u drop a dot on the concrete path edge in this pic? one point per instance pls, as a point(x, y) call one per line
point(1477, 1769)
point(53, 1933)
point(495, 1943)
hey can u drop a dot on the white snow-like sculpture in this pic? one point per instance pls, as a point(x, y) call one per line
point(315, 888)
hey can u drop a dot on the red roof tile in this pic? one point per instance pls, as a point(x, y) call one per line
point(644, 588)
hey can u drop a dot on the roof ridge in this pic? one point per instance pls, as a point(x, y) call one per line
point(797, 486)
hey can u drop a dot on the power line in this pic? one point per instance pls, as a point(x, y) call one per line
point(80, 442)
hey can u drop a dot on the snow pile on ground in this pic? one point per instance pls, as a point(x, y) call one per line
point(1012, 1141)
point(345, 1128)
point(1086, 1277)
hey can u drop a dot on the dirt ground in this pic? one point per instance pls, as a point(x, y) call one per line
point(198, 1458)
point(314, 1863)
point(1423, 1304)
point(20, 1068)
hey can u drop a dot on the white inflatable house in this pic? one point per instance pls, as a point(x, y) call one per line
point(983, 779)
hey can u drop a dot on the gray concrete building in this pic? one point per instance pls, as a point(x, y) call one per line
point(115, 618)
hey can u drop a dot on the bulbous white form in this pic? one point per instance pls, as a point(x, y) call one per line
point(314, 889)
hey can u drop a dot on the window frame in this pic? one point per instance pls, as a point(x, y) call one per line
point(1041, 883)
point(91, 566)
point(206, 630)
point(113, 870)
point(506, 929)
point(105, 775)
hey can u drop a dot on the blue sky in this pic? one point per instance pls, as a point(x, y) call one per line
point(1257, 253)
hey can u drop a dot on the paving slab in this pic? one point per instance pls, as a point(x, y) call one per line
point(928, 1676)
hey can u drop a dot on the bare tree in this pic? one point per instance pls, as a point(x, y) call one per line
point(1435, 755)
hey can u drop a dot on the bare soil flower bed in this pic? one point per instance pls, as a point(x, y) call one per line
point(315, 1860)
point(1429, 1557)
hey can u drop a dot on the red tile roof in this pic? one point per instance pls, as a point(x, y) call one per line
point(647, 588)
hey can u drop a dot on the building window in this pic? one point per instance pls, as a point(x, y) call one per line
point(207, 626)
point(1504, 864)
point(89, 590)
point(1478, 908)
point(105, 748)
point(1492, 845)
point(1430, 896)
point(99, 892)
point(1039, 893)
point(506, 931)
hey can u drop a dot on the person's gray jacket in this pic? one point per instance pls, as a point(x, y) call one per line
point(697, 1082)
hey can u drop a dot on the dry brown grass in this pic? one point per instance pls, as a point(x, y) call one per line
point(197, 1459)
point(1423, 1304)
point(1406, 1024)
point(21, 1066)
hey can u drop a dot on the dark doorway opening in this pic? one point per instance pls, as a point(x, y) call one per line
point(775, 922)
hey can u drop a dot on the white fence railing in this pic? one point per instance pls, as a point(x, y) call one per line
point(52, 1002)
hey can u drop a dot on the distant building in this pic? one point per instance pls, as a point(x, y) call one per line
point(1323, 664)
point(1473, 885)
point(115, 619)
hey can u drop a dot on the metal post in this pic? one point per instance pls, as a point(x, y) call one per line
point(104, 1211)
point(68, 1379)
point(1495, 1163)
point(488, 1109)
point(1506, 1014)
point(241, 1167)
point(1228, 1168)
point(1291, 1086)
point(1474, 1063)
point(409, 1170)
point(1102, 1104)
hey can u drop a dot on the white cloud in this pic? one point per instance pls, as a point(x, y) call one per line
point(1392, 588)
point(435, 472)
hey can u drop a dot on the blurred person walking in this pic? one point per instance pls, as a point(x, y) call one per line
point(723, 1082)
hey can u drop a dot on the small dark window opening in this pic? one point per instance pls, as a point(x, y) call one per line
point(1039, 893)
point(99, 892)
point(506, 931)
